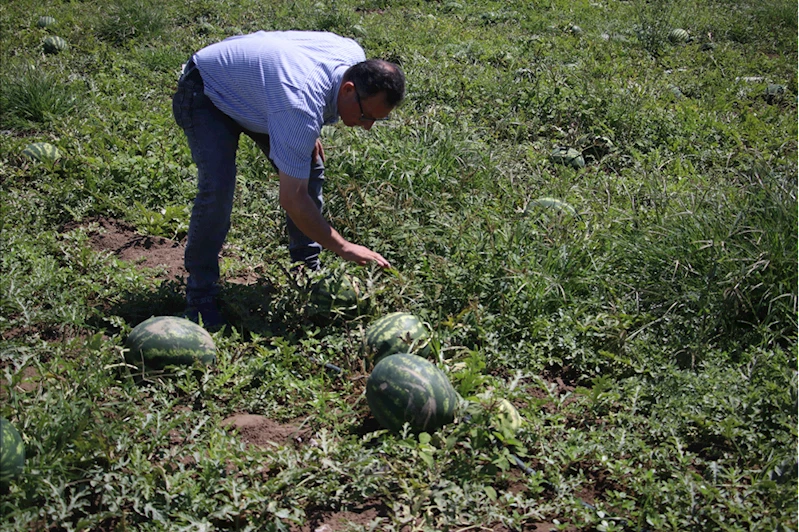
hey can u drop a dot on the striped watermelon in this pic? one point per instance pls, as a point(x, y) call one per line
point(42, 152)
point(398, 332)
point(408, 388)
point(45, 21)
point(678, 35)
point(336, 293)
point(12, 453)
point(54, 44)
point(169, 340)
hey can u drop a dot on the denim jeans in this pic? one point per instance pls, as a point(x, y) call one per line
point(213, 138)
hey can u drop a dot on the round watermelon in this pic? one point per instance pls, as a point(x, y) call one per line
point(398, 332)
point(508, 416)
point(169, 340)
point(567, 156)
point(41, 152)
point(45, 21)
point(336, 293)
point(678, 35)
point(54, 44)
point(408, 388)
point(12, 453)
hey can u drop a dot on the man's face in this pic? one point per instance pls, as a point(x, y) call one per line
point(361, 112)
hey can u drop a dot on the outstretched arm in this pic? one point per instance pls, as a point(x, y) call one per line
point(299, 206)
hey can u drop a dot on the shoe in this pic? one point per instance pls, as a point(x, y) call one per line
point(207, 315)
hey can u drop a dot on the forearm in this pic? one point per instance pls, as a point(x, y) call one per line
point(303, 212)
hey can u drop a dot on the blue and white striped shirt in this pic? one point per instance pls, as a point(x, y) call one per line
point(282, 83)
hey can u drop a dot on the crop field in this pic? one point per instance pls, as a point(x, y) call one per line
point(594, 217)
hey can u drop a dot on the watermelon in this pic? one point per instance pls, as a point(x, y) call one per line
point(336, 293)
point(774, 92)
point(45, 21)
point(553, 204)
point(41, 152)
point(567, 156)
point(12, 453)
point(54, 44)
point(507, 415)
point(169, 340)
point(408, 388)
point(678, 35)
point(398, 332)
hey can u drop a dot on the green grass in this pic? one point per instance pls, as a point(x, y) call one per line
point(647, 333)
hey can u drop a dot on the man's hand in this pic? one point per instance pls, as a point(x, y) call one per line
point(362, 255)
point(318, 151)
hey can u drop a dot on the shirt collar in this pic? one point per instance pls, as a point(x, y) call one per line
point(331, 105)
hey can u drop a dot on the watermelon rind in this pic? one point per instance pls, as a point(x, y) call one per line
point(41, 152)
point(336, 293)
point(45, 21)
point(162, 341)
point(679, 35)
point(54, 44)
point(398, 332)
point(406, 388)
point(507, 416)
point(12, 453)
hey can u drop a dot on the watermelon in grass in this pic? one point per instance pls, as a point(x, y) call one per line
point(42, 152)
point(169, 340)
point(398, 332)
point(12, 453)
point(336, 293)
point(408, 388)
point(54, 44)
point(45, 21)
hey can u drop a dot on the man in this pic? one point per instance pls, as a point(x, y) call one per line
point(279, 88)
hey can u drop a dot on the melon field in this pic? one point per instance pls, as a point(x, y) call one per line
point(593, 215)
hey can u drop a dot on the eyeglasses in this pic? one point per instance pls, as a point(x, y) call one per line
point(363, 117)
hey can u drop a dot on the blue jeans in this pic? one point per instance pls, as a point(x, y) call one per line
point(213, 139)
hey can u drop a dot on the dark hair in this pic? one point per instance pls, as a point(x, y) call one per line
point(373, 76)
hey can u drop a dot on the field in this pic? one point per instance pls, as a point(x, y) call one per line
point(640, 310)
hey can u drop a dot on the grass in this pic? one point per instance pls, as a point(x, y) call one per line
point(646, 330)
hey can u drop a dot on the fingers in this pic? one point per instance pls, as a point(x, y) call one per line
point(319, 150)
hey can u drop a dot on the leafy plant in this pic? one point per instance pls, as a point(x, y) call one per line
point(35, 97)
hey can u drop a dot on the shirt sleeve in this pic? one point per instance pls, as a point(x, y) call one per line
point(292, 137)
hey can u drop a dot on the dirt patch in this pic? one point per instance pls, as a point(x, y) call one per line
point(122, 240)
point(264, 432)
point(325, 520)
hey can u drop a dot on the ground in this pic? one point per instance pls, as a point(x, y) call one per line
point(165, 257)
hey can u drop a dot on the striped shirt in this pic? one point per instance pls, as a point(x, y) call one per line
point(284, 84)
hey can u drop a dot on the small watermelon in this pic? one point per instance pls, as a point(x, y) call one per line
point(169, 340)
point(398, 332)
point(336, 293)
point(552, 204)
point(41, 152)
point(774, 92)
point(508, 416)
point(567, 156)
point(54, 44)
point(408, 388)
point(678, 36)
point(12, 453)
point(45, 21)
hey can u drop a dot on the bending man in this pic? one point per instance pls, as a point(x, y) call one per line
point(279, 88)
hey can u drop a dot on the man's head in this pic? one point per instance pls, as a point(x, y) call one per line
point(369, 91)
